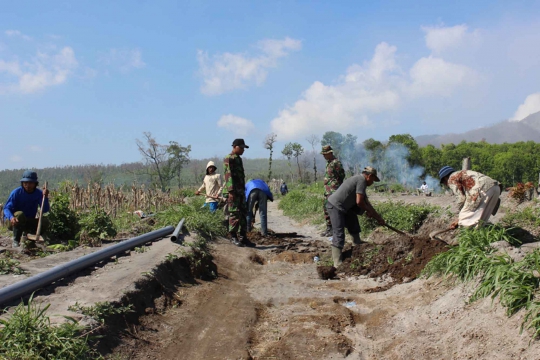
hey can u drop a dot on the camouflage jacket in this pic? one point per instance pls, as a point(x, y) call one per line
point(235, 181)
point(333, 176)
point(470, 187)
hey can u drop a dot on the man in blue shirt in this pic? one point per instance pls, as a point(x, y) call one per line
point(258, 192)
point(21, 208)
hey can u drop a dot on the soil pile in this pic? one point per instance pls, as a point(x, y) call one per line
point(402, 259)
point(280, 242)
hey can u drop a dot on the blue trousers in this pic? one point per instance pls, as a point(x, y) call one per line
point(258, 197)
point(212, 205)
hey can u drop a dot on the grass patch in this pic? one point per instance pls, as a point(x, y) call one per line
point(405, 217)
point(307, 203)
point(101, 310)
point(526, 217)
point(303, 204)
point(28, 334)
point(198, 219)
point(514, 283)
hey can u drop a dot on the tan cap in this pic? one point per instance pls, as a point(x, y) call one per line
point(371, 171)
point(327, 149)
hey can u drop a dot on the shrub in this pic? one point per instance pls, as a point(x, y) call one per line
point(28, 334)
point(198, 218)
point(64, 222)
point(96, 225)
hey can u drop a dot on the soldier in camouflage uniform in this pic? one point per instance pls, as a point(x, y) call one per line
point(333, 178)
point(234, 191)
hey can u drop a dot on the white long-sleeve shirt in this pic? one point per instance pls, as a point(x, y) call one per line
point(212, 184)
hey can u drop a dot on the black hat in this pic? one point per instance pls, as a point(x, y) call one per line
point(240, 142)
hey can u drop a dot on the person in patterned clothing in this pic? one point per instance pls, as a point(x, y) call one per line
point(333, 178)
point(234, 192)
point(478, 195)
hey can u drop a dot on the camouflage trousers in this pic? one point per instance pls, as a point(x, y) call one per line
point(237, 208)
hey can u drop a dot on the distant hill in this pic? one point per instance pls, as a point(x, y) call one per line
point(507, 131)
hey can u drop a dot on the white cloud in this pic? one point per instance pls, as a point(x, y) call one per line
point(432, 76)
point(125, 60)
point(441, 38)
point(236, 124)
point(17, 33)
point(15, 158)
point(530, 106)
point(377, 86)
point(226, 72)
point(43, 71)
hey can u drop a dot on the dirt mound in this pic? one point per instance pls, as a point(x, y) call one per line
point(326, 272)
point(403, 259)
point(286, 242)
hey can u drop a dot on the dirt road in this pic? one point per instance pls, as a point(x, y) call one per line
point(268, 303)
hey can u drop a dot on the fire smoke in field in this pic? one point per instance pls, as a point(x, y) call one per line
point(392, 161)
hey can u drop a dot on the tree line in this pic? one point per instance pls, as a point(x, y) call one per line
point(399, 160)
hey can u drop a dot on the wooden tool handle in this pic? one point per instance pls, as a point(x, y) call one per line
point(38, 232)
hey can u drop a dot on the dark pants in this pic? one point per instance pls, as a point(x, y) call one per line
point(340, 221)
point(27, 225)
point(258, 196)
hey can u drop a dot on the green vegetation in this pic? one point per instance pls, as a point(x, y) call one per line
point(306, 202)
point(141, 249)
point(9, 265)
point(514, 283)
point(527, 217)
point(71, 244)
point(405, 217)
point(28, 334)
point(96, 225)
point(101, 310)
point(198, 219)
point(64, 222)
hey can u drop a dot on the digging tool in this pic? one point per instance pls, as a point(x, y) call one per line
point(213, 197)
point(433, 235)
point(399, 231)
point(38, 232)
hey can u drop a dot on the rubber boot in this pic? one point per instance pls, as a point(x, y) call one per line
point(17, 233)
point(336, 256)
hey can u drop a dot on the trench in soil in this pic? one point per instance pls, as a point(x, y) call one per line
point(258, 303)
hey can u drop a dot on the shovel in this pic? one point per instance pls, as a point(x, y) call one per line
point(38, 232)
point(433, 235)
point(399, 231)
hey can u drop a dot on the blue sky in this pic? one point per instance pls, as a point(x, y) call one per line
point(80, 81)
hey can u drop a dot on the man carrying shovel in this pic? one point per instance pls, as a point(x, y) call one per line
point(344, 206)
point(213, 187)
point(21, 207)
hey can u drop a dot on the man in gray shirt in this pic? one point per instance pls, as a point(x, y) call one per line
point(344, 206)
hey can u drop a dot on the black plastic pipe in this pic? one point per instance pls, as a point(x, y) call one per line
point(38, 281)
point(177, 230)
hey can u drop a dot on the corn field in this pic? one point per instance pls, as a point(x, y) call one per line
point(117, 200)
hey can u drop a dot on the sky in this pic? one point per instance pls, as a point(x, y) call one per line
point(81, 81)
